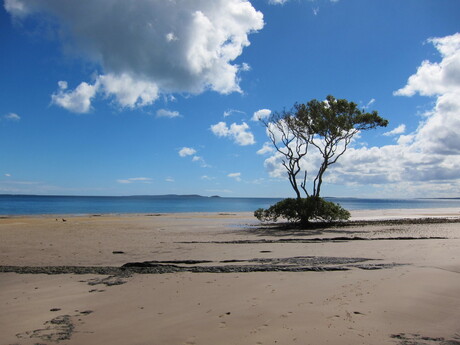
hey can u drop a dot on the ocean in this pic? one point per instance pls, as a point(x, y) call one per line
point(42, 204)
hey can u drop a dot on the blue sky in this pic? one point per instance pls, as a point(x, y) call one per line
point(155, 97)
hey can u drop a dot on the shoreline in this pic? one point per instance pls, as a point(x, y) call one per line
point(362, 214)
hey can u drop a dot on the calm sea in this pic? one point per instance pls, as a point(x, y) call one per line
point(32, 204)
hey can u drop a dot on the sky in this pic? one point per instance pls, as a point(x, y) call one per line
point(117, 97)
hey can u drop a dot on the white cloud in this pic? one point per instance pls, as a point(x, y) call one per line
point(433, 78)
point(176, 46)
point(171, 37)
point(236, 176)
point(230, 112)
point(135, 179)
point(372, 101)
point(167, 113)
point(128, 91)
point(187, 151)
point(439, 132)
point(12, 117)
point(239, 133)
point(425, 162)
point(200, 160)
point(16, 8)
point(266, 148)
point(315, 7)
point(261, 114)
point(245, 67)
point(78, 100)
point(7, 175)
point(169, 179)
point(398, 130)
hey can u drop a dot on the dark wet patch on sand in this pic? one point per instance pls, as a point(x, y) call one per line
point(290, 264)
point(339, 239)
point(417, 339)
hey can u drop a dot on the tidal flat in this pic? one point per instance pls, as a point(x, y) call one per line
point(387, 277)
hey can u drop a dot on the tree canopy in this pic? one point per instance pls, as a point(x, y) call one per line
point(327, 125)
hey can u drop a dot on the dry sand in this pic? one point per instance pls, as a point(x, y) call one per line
point(387, 283)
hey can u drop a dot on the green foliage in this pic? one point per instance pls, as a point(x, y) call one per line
point(335, 117)
point(303, 210)
point(329, 126)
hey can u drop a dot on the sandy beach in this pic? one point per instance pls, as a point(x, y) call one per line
point(202, 278)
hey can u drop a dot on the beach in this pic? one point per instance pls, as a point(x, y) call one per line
point(389, 277)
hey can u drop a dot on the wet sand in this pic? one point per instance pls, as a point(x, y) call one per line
point(221, 279)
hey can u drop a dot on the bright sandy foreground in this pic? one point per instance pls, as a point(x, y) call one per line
point(414, 303)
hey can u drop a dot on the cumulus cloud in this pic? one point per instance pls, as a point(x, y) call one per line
point(438, 134)
point(266, 148)
point(187, 151)
point(240, 134)
point(171, 46)
point(135, 179)
point(261, 114)
point(128, 91)
point(167, 113)
point(78, 100)
point(398, 130)
point(437, 78)
point(422, 163)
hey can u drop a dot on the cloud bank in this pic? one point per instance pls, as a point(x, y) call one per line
point(147, 47)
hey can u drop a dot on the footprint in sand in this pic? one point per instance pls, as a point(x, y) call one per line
point(261, 328)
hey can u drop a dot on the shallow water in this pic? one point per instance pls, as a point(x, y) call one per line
point(33, 204)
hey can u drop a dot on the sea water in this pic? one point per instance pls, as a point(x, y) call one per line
point(42, 204)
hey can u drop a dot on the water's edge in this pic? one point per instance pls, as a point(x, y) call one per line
point(44, 204)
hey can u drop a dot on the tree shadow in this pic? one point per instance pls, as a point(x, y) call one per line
point(340, 227)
